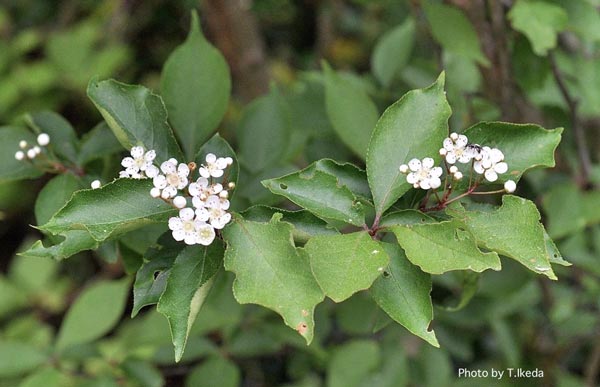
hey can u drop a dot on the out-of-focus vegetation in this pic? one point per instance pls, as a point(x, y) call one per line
point(295, 65)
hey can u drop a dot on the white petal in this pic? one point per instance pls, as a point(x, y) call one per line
point(436, 172)
point(462, 141)
point(123, 174)
point(496, 155)
point(221, 222)
point(168, 192)
point(179, 201)
point(412, 178)
point(424, 184)
point(151, 171)
point(137, 152)
point(414, 165)
point(477, 167)
point(204, 172)
point(206, 234)
point(155, 192)
point(175, 223)
point(501, 168)
point(435, 182)
point(450, 158)
point(194, 189)
point(216, 188)
point(465, 157)
point(168, 167)
point(186, 214)
point(428, 162)
point(221, 163)
point(150, 155)
point(183, 182)
point(216, 172)
point(190, 239)
point(202, 214)
point(183, 170)
point(228, 160)
point(448, 144)
point(159, 181)
point(211, 158)
point(196, 202)
point(225, 204)
point(202, 181)
point(127, 162)
point(178, 235)
point(213, 202)
point(490, 175)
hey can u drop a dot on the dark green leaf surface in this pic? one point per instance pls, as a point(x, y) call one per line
point(55, 194)
point(344, 264)
point(113, 209)
point(215, 371)
point(354, 178)
point(195, 85)
point(320, 193)
point(351, 112)
point(271, 272)
point(190, 279)
point(440, 247)
point(97, 143)
point(403, 293)
point(404, 217)
point(562, 219)
point(136, 116)
point(414, 126)
point(351, 363)
point(11, 168)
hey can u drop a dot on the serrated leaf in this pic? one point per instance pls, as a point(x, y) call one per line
point(525, 146)
point(271, 272)
point(113, 209)
point(263, 132)
point(540, 21)
point(344, 264)
point(190, 279)
point(513, 230)
point(414, 126)
point(403, 292)
point(11, 168)
point(440, 247)
point(63, 139)
point(351, 112)
point(195, 84)
point(221, 148)
point(74, 242)
point(136, 116)
point(306, 225)
point(55, 194)
point(94, 313)
point(320, 193)
point(554, 256)
point(392, 51)
point(454, 32)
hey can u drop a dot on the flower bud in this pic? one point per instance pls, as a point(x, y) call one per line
point(404, 168)
point(179, 202)
point(95, 184)
point(454, 136)
point(231, 185)
point(22, 144)
point(31, 153)
point(510, 186)
point(458, 176)
point(43, 139)
point(155, 192)
point(453, 169)
point(37, 150)
point(19, 155)
point(223, 194)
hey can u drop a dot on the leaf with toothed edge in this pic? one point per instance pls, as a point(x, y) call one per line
point(270, 271)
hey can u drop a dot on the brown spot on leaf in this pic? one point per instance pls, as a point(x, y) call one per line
point(304, 312)
point(302, 328)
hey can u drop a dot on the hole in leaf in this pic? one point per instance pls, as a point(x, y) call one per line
point(156, 273)
point(555, 255)
point(386, 274)
point(283, 186)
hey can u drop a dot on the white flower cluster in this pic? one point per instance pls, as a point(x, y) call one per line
point(196, 224)
point(487, 161)
point(43, 139)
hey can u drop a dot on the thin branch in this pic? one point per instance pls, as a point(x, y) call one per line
point(572, 103)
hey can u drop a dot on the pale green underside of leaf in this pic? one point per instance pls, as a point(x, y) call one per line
point(513, 230)
point(403, 293)
point(115, 208)
point(440, 247)
point(414, 126)
point(271, 272)
point(195, 84)
point(344, 264)
point(136, 116)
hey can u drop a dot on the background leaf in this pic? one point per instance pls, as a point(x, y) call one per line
point(540, 21)
point(55, 194)
point(195, 84)
point(63, 139)
point(414, 126)
point(392, 51)
point(17, 358)
point(11, 168)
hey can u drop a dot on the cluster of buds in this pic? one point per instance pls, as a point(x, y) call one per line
point(456, 149)
point(30, 153)
point(195, 224)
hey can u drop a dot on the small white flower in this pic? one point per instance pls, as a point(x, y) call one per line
point(214, 166)
point(174, 178)
point(455, 149)
point(43, 139)
point(214, 211)
point(510, 186)
point(491, 163)
point(140, 164)
point(231, 185)
point(191, 230)
point(179, 202)
point(424, 175)
point(206, 234)
point(96, 184)
point(20, 155)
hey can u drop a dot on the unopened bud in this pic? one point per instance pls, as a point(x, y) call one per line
point(223, 194)
point(22, 144)
point(96, 184)
point(403, 168)
point(231, 185)
point(19, 155)
point(43, 139)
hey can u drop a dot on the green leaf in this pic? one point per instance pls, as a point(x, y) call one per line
point(563, 220)
point(18, 358)
point(354, 178)
point(271, 272)
point(513, 230)
point(97, 143)
point(113, 209)
point(151, 278)
point(215, 371)
point(195, 85)
point(55, 194)
point(190, 279)
point(94, 313)
point(540, 21)
point(392, 51)
point(63, 140)
point(143, 372)
point(306, 225)
point(219, 147)
point(454, 32)
point(403, 293)
point(263, 132)
point(414, 126)
point(554, 256)
point(352, 363)
point(584, 19)
point(440, 247)
point(74, 241)
point(344, 264)
point(320, 193)
point(351, 112)
point(136, 116)
point(11, 168)
point(33, 274)
point(525, 146)
point(404, 217)
point(46, 377)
